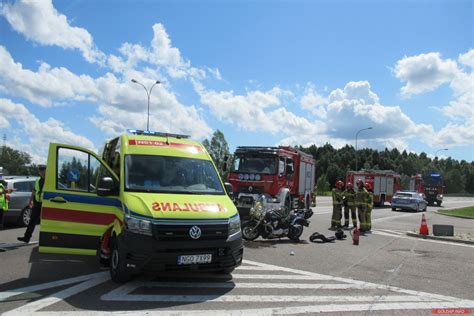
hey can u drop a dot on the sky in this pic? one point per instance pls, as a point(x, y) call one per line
point(263, 72)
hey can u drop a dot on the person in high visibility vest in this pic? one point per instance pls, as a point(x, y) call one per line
point(3, 202)
point(36, 201)
point(370, 206)
point(349, 205)
point(361, 203)
point(337, 200)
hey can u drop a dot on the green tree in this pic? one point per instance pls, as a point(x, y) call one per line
point(15, 162)
point(322, 184)
point(218, 149)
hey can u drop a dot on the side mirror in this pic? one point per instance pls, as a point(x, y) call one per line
point(228, 188)
point(107, 187)
point(224, 164)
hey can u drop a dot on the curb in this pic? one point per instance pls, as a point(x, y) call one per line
point(458, 216)
point(461, 241)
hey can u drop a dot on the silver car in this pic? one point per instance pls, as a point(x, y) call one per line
point(408, 200)
point(18, 209)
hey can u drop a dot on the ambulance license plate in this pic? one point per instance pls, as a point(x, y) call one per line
point(194, 259)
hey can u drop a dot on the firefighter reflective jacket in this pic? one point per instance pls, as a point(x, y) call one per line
point(361, 197)
point(370, 199)
point(337, 197)
point(349, 196)
point(3, 198)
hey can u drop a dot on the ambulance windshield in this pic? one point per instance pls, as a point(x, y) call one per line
point(165, 174)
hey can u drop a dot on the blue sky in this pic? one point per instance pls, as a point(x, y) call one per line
point(263, 72)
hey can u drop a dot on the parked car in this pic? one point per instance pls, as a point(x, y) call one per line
point(18, 209)
point(408, 200)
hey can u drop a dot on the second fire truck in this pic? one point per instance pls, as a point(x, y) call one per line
point(384, 183)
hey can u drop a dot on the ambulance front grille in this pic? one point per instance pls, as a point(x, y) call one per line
point(181, 232)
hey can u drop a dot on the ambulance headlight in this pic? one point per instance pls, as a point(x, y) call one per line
point(234, 227)
point(138, 226)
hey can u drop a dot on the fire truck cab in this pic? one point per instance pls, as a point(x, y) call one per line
point(285, 174)
point(430, 185)
point(384, 183)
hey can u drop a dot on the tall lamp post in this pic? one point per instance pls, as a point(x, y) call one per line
point(148, 95)
point(436, 153)
point(357, 134)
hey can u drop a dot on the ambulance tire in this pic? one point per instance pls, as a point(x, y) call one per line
point(118, 269)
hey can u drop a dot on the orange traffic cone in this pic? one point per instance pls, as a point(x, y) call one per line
point(424, 227)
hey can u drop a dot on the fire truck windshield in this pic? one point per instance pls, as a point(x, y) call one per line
point(251, 164)
point(432, 181)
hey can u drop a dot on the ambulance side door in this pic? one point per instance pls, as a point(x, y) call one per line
point(74, 216)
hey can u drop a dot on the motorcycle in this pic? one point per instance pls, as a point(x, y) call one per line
point(274, 222)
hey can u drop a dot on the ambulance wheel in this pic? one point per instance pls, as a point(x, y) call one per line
point(118, 268)
point(25, 217)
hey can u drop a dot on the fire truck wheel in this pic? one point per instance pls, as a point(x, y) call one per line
point(118, 270)
point(393, 209)
point(382, 201)
point(438, 203)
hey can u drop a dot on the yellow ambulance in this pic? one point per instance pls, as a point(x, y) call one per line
point(151, 202)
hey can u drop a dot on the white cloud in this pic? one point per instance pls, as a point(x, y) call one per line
point(424, 72)
point(467, 58)
point(40, 22)
point(314, 102)
point(40, 133)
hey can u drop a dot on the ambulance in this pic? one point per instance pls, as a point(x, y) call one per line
point(150, 202)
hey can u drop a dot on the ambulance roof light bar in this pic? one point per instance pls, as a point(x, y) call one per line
point(154, 133)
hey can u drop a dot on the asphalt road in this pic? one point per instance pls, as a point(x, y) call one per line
point(389, 273)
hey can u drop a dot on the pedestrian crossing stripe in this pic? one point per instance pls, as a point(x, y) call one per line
point(389, 298)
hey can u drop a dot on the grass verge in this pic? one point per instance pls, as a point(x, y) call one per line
point(465, 211)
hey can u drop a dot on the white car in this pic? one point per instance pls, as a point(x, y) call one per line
point(408, 200)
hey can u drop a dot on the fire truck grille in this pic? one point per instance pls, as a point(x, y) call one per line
point(246, 189)
point(181, 232)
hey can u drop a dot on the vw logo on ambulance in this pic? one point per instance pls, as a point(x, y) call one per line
point(195, 232)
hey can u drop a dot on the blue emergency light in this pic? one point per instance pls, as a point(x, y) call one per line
point(435, 175)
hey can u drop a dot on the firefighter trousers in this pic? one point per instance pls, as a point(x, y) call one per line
point(336, 215)
point(362, 213)
point(352, 209)
point(368, 218)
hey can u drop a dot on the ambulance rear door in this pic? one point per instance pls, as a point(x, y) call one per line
point(80, 201)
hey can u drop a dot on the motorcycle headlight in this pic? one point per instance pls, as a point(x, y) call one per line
point(234, 226)
point(138, 226)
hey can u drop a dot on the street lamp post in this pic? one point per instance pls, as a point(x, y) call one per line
point(357, 134)
point(436, 153)
point(148, 95)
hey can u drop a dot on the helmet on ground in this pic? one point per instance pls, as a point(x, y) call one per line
point(349, 186)
point(339, 184)
point(340, 234)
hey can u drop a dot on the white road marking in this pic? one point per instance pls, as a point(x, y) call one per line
point(394, 299)
point(383, 233)
point(57, 297)
point(30, 289)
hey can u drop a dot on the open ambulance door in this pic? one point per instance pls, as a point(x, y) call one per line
point(80, 201)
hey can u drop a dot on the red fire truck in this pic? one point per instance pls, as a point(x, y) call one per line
point(430, 185)
point(384, 182)
point(287, 175)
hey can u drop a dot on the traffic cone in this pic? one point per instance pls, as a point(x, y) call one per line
point(424, 227)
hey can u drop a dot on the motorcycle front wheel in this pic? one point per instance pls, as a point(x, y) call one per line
point(295, 232)
point(250, 231)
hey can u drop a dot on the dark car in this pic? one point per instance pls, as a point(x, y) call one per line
point(18, 209)
point(408, 200)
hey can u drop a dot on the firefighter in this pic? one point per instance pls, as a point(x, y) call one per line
point(370, 206)
point(349, 205)
point(361, 203)
point(337, 200)
point(3, 202)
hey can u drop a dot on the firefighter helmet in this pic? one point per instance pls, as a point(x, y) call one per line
point(349, 186)
point(368, 186)
point(339, 184)
point(360, 183)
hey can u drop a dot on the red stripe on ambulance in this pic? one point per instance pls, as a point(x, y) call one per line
point(58, 214)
